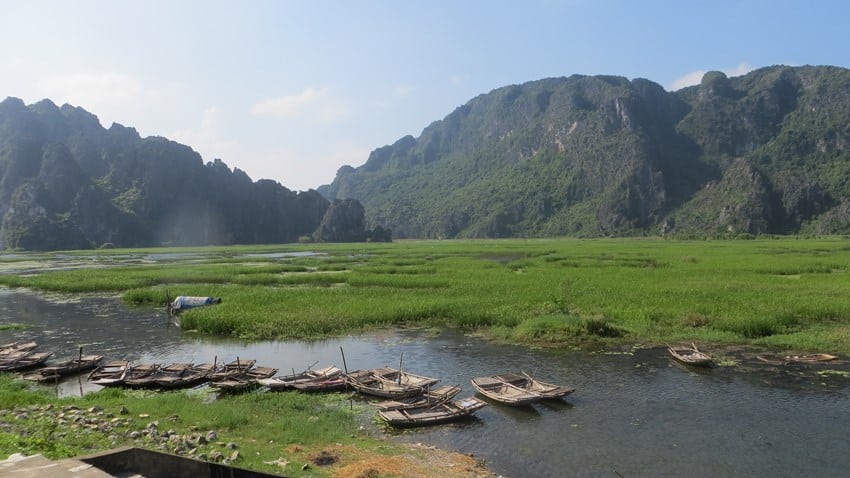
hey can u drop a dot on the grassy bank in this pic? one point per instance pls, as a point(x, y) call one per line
point(286, 433)
point(782, 293)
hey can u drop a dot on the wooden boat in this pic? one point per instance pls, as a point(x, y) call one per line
point(246, 380)
point(811, 358)
point(236, 367)
point(322, 384)
point(287, 382)
point(441, 413)
point(526, 382)
point(690, 356)
point(10, 348)
point(430, 398)
point(497, 389)
point(23, 361)
point(259, 373)
point(161, 373)
point(372, 382)
point(112, 371)
point(234, 384)
point(137, 376)
point(11, 358)
point(404, 378)
point(74, 366)
point(194, 374)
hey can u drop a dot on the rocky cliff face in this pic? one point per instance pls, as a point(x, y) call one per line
point(597, 156)
point(68, 183)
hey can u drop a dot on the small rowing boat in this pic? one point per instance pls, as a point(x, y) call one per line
point(194, 374)
point(690, 355)
point(18, 361)
point(497, 389)
point(13, 347)
point(288, 382)
point(331, 384)
point(137, 376)
point(388, 383)
point(112, 371)
point(430, 398)
point(74, 366)
point(811, 358)
point(441, 413)
point(527, 382)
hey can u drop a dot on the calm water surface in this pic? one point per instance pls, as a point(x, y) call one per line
point(633, 414)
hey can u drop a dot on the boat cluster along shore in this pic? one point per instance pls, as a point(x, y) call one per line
point(408, 399)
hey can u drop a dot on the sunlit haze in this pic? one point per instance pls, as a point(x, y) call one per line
point(291, 91)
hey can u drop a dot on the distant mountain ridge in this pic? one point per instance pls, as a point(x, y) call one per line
point(591, 156)
point(68, 183)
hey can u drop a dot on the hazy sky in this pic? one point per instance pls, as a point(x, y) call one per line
point(291, 90)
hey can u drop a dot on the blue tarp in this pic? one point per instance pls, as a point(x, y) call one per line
point(188, 302)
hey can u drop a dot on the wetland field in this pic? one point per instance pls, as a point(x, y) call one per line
point(779, 293)
point(593, 314)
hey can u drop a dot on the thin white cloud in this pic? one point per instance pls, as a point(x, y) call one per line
point(402, 91)
point(312, 104)
point(457, 80)
point(694, 77)
point(206, 138)
point(109, 95)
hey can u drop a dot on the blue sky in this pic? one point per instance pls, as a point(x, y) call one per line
point(291, 91)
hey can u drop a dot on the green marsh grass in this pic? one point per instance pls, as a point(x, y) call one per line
point(564, 292)
point(263, 425)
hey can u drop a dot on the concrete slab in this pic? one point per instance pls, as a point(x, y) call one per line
point(37, 466)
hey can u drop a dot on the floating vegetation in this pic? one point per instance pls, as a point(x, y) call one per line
point(834, 373)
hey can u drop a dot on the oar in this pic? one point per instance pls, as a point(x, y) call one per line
point(344, 367)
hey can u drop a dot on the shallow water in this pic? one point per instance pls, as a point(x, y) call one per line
point(633, 414)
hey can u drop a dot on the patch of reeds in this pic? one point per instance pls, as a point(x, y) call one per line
point(620, 289)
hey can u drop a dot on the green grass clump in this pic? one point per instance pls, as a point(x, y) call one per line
point(783, 292)
point(263, 425)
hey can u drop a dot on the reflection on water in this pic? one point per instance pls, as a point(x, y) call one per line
point(280, 255)
point(635, 414)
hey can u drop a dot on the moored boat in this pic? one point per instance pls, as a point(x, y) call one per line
point(137, 376)
point(429, 398)
point(690, 355)
point(161, 373)
point(373, 382)
point(194, 374)
point(19, 361)
point(81, 364)
point(811, 358)
point(527, 382)
point(431, 415)
point(112, 371)
point(497, 389)
point(404, 378)
point(241, 381)
point(331, 384)
point(236, 367)
point(287, 382)
point(13, 347)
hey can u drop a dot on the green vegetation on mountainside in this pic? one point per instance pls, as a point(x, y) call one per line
point(764, 153)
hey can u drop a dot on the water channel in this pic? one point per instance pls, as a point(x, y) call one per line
point(634, 414)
